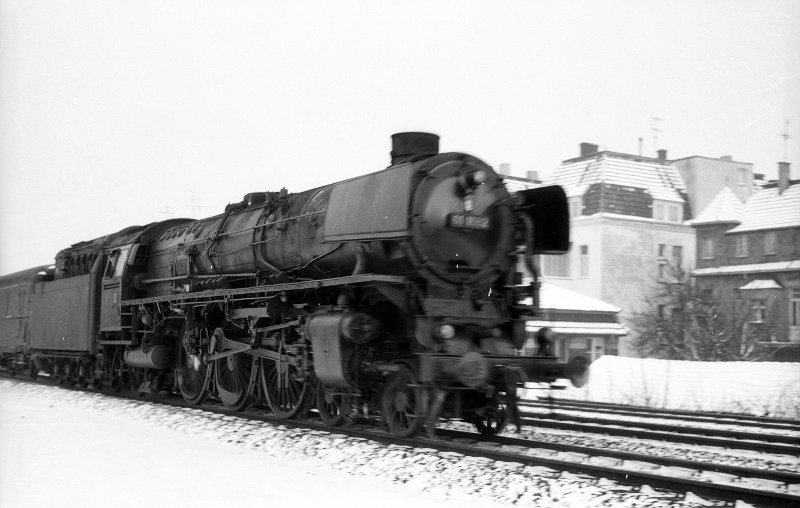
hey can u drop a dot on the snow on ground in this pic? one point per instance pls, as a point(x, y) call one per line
point(62, 448)
point(758, 388)
point(54, 453)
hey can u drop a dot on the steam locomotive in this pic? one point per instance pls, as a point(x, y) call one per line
point(396, 294)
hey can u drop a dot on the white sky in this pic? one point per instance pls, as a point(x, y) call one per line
point(121, 112)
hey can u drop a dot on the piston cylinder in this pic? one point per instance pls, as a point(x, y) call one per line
point(333, 337)
point(150, 357)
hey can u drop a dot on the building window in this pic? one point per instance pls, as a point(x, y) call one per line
point(556, 266)
point(578, 346)
point(662, 250)
point(584, 260)
point(758, 308)
point(677, 256)
point(658, 212)
point(669, 212)
point(673, 213)
point(612, 346)
point(741, 246)
point(794, 310)
point(706, 248)
point(770, 242)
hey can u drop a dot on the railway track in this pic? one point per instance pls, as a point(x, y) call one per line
point(741, 420)
point(725, 483)
point(718, 482)
point(783, 439)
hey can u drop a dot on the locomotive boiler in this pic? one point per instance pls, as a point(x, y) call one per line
point(397, 294)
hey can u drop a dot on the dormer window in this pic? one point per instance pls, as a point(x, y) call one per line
point(658, 211)
point(672, 213)
point(668, 212)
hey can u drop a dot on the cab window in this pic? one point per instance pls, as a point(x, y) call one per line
point(111, 264)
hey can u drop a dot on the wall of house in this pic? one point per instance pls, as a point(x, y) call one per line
point(787, 246)
point(721, 251)
point(584, 231)
point(725, 287)
point(631, 264)
point(705, 177)
point(776, 325)
point(623, 261)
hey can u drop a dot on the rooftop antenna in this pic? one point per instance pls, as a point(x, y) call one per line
point(655, 126)
point(786, 139)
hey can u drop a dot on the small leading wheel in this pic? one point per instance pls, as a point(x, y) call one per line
point(331, 406)
point(192, 372)
point(33, 370)
point(400, 404)
point(287, 393)
point(490, 422)
point(233, 374)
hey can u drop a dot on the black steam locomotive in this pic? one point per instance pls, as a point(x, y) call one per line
point(398, 293)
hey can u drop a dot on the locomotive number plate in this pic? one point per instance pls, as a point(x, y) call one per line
point(468, 221)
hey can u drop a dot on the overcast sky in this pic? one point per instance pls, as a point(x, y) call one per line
point(121, 112)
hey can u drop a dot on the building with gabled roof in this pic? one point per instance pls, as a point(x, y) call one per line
point(724, 208)
point(581, 325)
point(749, 257)
point(705, 176)
point(628, 227)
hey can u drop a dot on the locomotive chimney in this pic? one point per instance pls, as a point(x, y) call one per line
point(407, 145)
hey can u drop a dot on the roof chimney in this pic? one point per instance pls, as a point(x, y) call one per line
point(726, 158)
point(533, 175)
point(406, 145)
point(662, 155)
point(783, 177)
point(504, 169)
point(588, 149)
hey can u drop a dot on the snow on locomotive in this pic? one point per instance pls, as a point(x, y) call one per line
point(397, 294)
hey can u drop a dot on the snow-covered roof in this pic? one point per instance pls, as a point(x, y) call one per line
point(553, 297)
point(725, 207)
point(777, 266)
point(762, 284)
point(557, 298)
point(769, 209)
point(660, 179)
